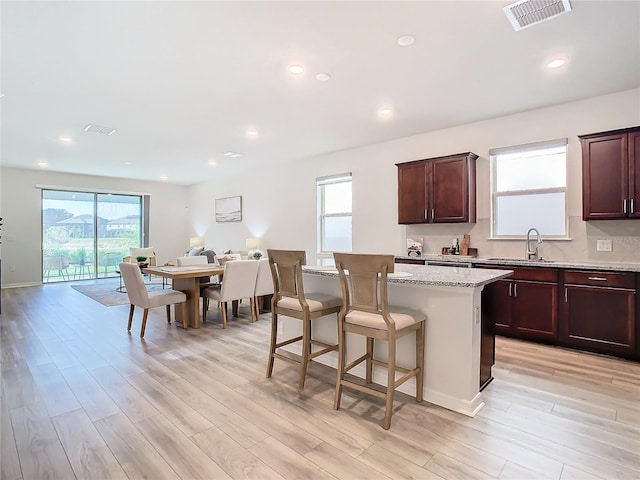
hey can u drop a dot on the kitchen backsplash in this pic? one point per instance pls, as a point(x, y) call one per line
point(624, 236)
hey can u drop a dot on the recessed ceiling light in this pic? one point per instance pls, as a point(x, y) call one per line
point(557, 63)
point(385, 111)
point(252, 132)
point(212, 163)
point(164, 178)
point(296, 69)
point(1, 94)
point(42, 163)
point(231, 154)
point(127, 163)
point(65, 139)
point(406, 40)
point(323, 77)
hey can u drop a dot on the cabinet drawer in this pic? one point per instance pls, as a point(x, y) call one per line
point(601, 279)
point(536, 274)
point(409, 261)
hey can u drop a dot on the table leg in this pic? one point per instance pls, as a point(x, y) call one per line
point(191, 287)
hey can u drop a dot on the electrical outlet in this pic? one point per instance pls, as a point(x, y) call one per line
point(603, 246)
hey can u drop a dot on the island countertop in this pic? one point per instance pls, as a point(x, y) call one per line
point(428, 275)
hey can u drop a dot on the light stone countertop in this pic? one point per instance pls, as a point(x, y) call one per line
point(429, 275)
point(517, 262)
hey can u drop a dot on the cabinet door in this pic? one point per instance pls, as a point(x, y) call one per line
point(412, 193)
point(534, 309)
point(496, 305)
point(449, 190)
point(602, 318)
point(634, 174)
point(605, 177)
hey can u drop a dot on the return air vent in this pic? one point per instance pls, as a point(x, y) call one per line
point(98, 129)
point(526, 13)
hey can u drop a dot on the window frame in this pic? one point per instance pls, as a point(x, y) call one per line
point(494, 153)
point(321, 215)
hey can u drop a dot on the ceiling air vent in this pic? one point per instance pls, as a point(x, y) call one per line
point(98, 129)
point(525, 13)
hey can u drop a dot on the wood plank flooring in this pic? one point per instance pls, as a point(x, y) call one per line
point(82, 399)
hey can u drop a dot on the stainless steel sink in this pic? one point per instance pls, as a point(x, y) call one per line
point(520, 260)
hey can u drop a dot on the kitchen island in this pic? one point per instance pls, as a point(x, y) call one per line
point(451, 300)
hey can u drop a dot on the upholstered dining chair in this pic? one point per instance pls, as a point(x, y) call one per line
point(205, 281)
point(195, 260)
point(366, 312)
point(139, 296)
point(291, 300)
point(238, 282)
point(264, 284)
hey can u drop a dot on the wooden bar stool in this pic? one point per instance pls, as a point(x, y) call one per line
point(290, 299)
point(366, 312)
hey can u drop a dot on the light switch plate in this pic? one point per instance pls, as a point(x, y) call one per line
point(603, 246)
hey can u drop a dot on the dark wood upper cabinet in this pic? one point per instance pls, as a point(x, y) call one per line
point(611, 174)
point(438, 190)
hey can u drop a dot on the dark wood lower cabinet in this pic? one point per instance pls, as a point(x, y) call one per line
point(487, 346)
point(598, 311)
point(534, 309)
point(599, 318)
point(524, 305)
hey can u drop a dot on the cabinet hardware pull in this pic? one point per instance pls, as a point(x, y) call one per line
point(565, 295)
point(426, 214)
point(600, 279)
point(433, 215)
point(510, 288)
point(624, 206)
point(632, 210)
point(515, 289)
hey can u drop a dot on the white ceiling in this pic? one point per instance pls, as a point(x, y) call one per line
point(182, 81)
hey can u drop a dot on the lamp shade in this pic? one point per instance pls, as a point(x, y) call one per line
point(196, 242)
point(251, 243)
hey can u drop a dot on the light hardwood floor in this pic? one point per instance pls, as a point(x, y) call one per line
point(83, 399)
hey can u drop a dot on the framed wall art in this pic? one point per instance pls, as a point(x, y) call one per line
point(229, 209)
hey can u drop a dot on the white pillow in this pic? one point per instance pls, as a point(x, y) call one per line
point(195, 251)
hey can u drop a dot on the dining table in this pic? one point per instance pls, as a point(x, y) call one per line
point(187, 279)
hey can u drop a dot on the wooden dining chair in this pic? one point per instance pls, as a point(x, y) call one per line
point(290, 300)
point(139, 296)
point(238, 282)
point(366, 312)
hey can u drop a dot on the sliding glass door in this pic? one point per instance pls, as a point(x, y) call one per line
point(86, 235)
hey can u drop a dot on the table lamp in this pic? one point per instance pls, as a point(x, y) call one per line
point(195, 242)
point(252, 245)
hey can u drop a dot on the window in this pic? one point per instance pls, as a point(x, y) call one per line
point(529, 189)
point(334, 213)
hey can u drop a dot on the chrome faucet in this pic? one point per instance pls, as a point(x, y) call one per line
point(532, 254)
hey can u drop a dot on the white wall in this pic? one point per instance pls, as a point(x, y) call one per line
point(279, 204)
point(21, 209)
